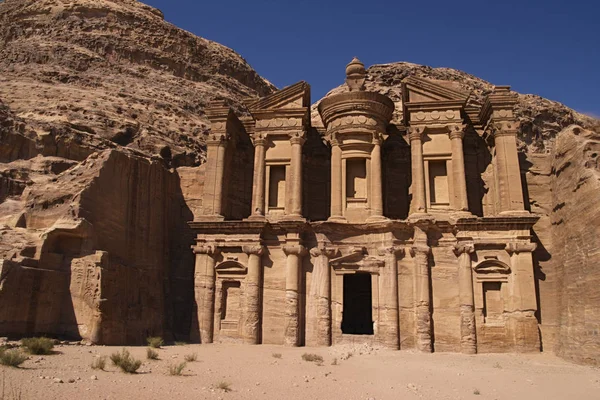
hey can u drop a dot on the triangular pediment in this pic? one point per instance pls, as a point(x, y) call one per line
point(292, 97)
point(420, 90)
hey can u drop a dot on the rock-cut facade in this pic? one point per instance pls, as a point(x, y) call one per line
point(411, 234)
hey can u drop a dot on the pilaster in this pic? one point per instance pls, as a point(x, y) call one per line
point(419, 202)
point(321, 282)
point(389, 327)
point(252, 325)
point(294, 253)
point(204, 291)
point(468, 334)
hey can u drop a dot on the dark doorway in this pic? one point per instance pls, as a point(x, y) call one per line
point(357, 318)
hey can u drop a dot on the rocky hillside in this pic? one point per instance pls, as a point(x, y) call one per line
point(541, 119)
point(90, 74)
point(101, 114)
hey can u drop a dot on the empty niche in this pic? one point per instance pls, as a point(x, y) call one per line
point(356, 178)
point(493, 304)
point(438, 183)
point(277, 186)
point(231, 303)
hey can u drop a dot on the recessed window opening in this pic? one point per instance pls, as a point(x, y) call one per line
point(277, 186)
point(356, 178)
point(438, 183)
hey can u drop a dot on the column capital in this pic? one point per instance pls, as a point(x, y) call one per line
point(297, 137)
point(211, 250)
point(385, 250)
point(420, 248)
point(415, 133)
point(464, 248)
point(323, 251)
point(294, 249)
point(456, 131)
point(516, 247)
point(259, 139)
point(217, 139)
point(254, 249)
point(505, 128)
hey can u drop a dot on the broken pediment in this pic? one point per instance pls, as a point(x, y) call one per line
point(419, 90)
point(292, 97)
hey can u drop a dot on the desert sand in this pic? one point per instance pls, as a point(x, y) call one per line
point(255, 372)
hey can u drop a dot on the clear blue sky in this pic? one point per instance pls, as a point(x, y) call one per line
point(546, 47)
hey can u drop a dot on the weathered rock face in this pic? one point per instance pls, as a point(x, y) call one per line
point(93, 72)
point(575, 233)
point(103, 98)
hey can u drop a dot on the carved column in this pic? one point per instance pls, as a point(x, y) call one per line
point(522, 323)
point(204, 290)
point(420, 252)
point(376, 202)
point(252, 328)
point(468, 334)
point(294, 255)
point(258, 184)
point(296, 175)
point(321, 282)
point(458, 168)
point(508, 172)
point(419, 203)
point(215, 167)
point(336, 181)
point(389, 327)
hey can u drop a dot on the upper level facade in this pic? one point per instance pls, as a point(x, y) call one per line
point(443, 158)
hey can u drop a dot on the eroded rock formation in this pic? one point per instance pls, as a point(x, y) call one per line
point(100, 146)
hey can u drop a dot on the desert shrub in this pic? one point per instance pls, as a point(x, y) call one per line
point(38, 345)
point(476, 392)
point(180, 343)
point(334, 362)
point(155, 342)
point(176, 369)
point(224, 386)
point(99, 363)
point(312, 357)
point(191, 357)
point(276, 355)
point(12, 357)
point(151, 354)
point(125, 361)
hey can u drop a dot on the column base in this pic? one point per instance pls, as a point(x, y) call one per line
point(377, 218)
point(293, 217)
point(337, 218)
point(256, 217)
point(210, 218)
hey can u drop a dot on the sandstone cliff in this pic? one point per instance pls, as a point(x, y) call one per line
point(103, 98)
point(92, 73)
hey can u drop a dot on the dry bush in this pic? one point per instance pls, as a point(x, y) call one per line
point(12, 357)
point(176, 369)
point(276, 355)
point(191, 357)
point(180, 343)
point(224, 386)
point(312, 357)
point(99, 363)
point(155, 342)
point(38, 345)
point(151, 354)
point(125, 361)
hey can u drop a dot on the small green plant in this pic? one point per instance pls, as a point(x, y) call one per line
point(224, 386)
point(191, 357)
point(125, 361)
point(155, 342)
point(12, 357)
point(99, 363)
point(38, 345)
point(151, 354)
point(476, 392)
point(276, 355)
point(176, 369)
point(312, 357)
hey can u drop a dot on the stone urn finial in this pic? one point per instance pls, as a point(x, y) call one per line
point(355, 75)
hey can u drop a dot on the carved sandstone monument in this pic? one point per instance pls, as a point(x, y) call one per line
point(312, 235)
point(106, 156)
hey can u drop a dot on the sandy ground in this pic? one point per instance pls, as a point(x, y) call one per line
point(255, 372)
